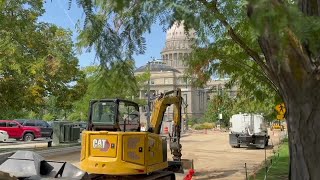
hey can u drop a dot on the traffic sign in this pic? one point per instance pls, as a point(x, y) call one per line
point(281, 109)
point(280, 116)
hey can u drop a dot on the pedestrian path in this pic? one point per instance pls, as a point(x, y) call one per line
point(26, 145)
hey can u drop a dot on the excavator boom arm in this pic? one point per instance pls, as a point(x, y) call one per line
point(160, 109)
point(160, 106)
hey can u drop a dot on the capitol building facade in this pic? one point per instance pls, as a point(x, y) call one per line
point(168, 74)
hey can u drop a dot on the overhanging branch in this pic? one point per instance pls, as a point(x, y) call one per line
point(237, 39)
point(310, 7)
point(298, 49)
point(246, 68)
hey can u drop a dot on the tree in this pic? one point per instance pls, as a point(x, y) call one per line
point(219, 104)
point(244, 102)
point(37, 60)
point(279, 38)
point(110, 83)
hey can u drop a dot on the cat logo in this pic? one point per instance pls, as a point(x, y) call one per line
point(102, 144)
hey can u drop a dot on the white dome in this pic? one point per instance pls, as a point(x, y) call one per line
point(177, 32)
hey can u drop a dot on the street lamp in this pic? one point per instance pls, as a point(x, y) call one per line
point(148, 92)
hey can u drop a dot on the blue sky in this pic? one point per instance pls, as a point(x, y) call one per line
point(57, 13)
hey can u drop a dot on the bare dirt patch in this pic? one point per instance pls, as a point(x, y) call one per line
point(214, 158)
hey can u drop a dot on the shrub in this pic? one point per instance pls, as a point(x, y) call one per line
point(204, 126)
point(74, 117)
point(48, 117)
point(193, 121)
point(207, 125)
point(197, 126)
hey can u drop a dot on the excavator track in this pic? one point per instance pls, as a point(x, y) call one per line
point(157, 175)
point(160, 175)
point(28, 165)
point(166, 174)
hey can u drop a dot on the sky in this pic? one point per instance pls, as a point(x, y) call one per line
point(57, 12)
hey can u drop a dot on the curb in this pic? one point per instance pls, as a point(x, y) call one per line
point(59, 151)
point(45, 153)
point(7, 143)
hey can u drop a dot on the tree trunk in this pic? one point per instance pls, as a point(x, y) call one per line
point(298, 85)
point(304, 136)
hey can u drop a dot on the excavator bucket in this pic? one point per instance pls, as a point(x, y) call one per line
point(31, 166)
point(187, 164)
point(180, 166)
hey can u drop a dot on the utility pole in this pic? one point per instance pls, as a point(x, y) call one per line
point(186, 106)
point(148, 93)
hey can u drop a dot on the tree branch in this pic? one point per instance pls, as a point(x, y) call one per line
point(253, 54)
point(297, 48)
point(253, 71)
point(310, 7)
point(268, 51)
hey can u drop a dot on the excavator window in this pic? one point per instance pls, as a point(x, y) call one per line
point(114, 115)
point(103, 113)
point(129, 117)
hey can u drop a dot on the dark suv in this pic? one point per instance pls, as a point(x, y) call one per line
point(46, 129)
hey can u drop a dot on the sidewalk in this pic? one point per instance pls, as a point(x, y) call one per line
point(54, 151)
point(26, 145)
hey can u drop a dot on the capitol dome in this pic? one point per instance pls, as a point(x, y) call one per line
point(156, 66)
point(178, 46)
point(177, 32)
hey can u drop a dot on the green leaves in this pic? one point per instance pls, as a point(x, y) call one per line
point(220, 104)
point(115, 30)
point(244, 102)
point(36, 60)
point(113, 83)
point(229, 37)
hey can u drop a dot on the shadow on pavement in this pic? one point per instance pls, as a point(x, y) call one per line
point(254, 148)
point(214, 174)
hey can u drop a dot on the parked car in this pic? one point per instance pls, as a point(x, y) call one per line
point(46, 129)
point(3, 136)
point(17, 131)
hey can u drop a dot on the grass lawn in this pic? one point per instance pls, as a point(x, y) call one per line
point(280, 168)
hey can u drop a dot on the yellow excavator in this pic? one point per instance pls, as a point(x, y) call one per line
point(112, 146)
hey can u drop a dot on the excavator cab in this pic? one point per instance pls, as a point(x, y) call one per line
point(113, 144)
point(114, 115)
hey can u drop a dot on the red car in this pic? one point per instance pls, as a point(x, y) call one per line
point(17, 131)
